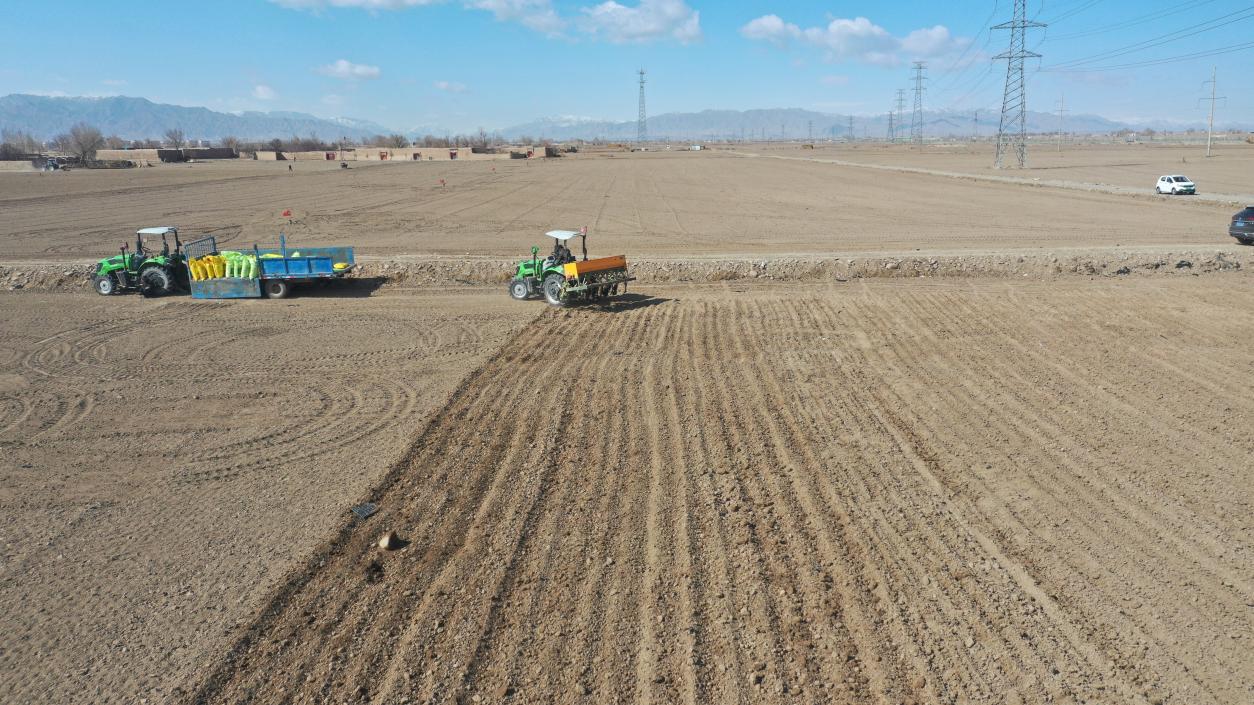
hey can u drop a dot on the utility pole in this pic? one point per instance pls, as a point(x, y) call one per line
point(1062, 109)
point(901, 106)
point(851, 138)
point(1210, 125)
point(641, 122)
point(975, 125)
point(1014, 99)
point(916, 122)
point(781, 132)
point(809, 130)
point(891, 127)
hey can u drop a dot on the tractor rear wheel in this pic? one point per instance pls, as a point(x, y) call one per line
point(155, 281)
point(553, 289)
point(518, 289)
point(104, 285)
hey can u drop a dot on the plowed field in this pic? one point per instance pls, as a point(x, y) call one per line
point(898, 492)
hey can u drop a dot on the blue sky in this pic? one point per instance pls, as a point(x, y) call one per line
point(464, 64)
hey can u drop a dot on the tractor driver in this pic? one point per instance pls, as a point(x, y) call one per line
point(561, 253)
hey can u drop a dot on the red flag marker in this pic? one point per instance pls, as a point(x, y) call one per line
point(287, 213)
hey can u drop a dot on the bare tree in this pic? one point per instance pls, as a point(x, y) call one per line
point(175, 138)
point(114, 142)
point(83, 141)
point(230, 142)
point(17, 144)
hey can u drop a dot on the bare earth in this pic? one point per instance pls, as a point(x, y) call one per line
point(165, 463)
point(1001, 490)
point(642, 205)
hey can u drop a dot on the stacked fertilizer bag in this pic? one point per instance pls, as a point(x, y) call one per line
point(235, 265)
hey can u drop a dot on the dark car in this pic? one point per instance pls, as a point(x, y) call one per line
point(1242, 227)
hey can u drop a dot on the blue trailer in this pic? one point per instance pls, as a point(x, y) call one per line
point(278, 269)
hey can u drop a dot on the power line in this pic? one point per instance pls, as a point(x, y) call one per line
point(1183, 33)
point(1191, 7)
point(1012, 130)
point(916, 121)
point(1073, 12)
point(1157, 62)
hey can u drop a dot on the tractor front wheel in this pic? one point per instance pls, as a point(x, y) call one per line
point(104, 285)
point(553, 289)
point(518, 289)
point(155, 281)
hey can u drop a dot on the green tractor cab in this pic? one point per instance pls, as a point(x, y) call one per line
point(562, 280)
point(149, 271)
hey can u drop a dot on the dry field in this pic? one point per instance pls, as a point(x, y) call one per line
point(656, 205)
point(887, 493)
point(1009, 490)
point(1135, 166)
point(165, 463)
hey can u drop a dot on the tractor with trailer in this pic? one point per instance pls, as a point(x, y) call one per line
point(149, 271)
point(563, 280)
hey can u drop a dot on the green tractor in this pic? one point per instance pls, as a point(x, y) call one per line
point(148, 271)
point(563, 280)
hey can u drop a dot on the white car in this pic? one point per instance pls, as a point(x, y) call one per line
point(1175, 185)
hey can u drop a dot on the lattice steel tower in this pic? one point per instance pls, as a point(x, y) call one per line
point(916, 121)
point(901, 107)
point(1012, 132)
point(642, 128)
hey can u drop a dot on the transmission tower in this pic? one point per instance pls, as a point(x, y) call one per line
point(850, 128)
point(642, 127)
point(916, 121)
point(1062, 110)
point(1012, 132)
point(901, 106)
point(892, 128)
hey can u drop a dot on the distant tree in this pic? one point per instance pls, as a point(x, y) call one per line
point(481, 138)
point(394, 141)
point(14, 144)
point(174, 137)
point(83, 141)
point(275, 145)
point(114, 142)
point(230, 142)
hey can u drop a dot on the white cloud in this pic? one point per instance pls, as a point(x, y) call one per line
point(534, 14)
point(349, 71)
point(649, 21)
point(857, 39)
point(263, 92)
point(450, 86)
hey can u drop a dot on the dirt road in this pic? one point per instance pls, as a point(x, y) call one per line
point(897, 492)
point(166, 462)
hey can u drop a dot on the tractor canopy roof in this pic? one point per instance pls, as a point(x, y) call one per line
point(562, 235)
point(163, 230)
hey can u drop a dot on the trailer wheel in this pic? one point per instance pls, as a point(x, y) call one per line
point(518, 289)
point(277, 288)
point(553, 289)
point(105, 286)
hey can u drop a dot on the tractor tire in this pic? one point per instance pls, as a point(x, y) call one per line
point(105, 286)
point(155, 281)
point(518, 290)
point(553, 289)
point(277, 288)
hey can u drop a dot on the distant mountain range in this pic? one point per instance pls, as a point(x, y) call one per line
point(139, 118)
point(796, 123)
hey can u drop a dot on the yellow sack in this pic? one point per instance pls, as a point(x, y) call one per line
point(340, 266)
point(252, 267)
point(219, 267)
point(271, 255)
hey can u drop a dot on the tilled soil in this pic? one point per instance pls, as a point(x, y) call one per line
point(636, 204)
point(884, 492)
point(166, 462)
